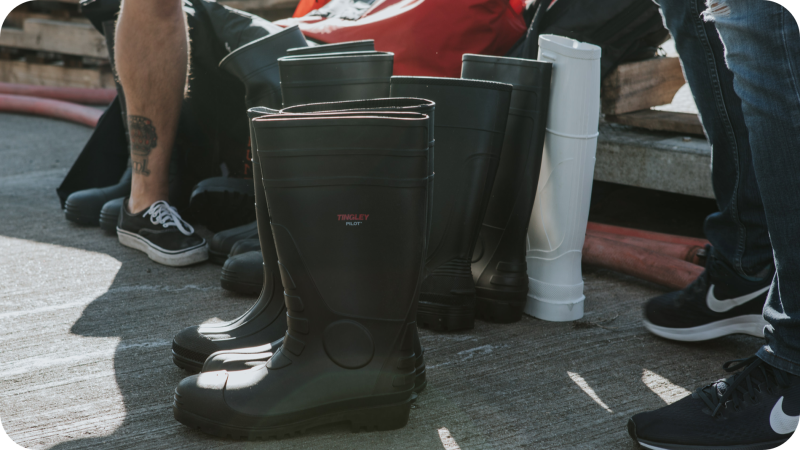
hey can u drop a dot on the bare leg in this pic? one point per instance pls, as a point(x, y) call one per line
point(152, 53)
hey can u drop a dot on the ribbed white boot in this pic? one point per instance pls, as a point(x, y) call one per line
point(558, 222)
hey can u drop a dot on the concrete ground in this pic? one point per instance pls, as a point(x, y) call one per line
point(86, 327)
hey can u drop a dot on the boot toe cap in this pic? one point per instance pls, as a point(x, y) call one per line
point(245, 246)
point(203, 395)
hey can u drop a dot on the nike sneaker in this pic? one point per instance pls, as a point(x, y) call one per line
point(718, 303)
point(162, 234)
point(757, 408)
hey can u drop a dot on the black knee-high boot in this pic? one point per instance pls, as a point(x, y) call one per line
point(347, 198)
point(470, 123)
point(498, 264)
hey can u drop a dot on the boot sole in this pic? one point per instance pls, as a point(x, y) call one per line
point(381, 418)
point(217, 258)
point(186, 364)
point(752, 324)
point(81, 218)
point(182, 258)
point(240, 287)
point(438, 317)
point(108, 223)
point(499, 311)
point(231, 282)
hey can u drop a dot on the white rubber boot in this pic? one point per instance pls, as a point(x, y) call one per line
point(558, 222)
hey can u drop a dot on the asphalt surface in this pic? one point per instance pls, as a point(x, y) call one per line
point(86, 327)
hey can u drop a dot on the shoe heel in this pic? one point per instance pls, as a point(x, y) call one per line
point(381, 418)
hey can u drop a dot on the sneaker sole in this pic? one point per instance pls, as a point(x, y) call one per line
point(181, 258)
point(752, 324)
point(651, 445)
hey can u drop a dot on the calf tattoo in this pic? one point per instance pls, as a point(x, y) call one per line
point(143, 140)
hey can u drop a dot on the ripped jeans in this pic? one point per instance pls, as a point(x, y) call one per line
point(749, 99)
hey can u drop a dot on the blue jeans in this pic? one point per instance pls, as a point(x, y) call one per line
point(738, 231)
point(753, 83)
point(762, 49)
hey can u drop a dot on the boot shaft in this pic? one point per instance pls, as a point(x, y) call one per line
point(256, 65)
point(470, 123)
point(335, 77)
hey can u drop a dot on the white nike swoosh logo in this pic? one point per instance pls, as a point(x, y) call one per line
point(722, 306)
point(780, 422)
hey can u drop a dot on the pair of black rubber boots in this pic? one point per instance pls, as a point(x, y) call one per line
point(342, 321)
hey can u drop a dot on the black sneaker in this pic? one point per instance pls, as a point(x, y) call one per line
point(755, 409)
point(160, 232)
point(718, 303)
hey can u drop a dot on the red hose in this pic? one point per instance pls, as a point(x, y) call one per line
point(56, 109)
point(639, 262)
point(68, 94)
point(653, 236)
point(689, 253)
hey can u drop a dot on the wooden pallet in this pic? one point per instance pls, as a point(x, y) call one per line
point(628, 93)
point(55, 46)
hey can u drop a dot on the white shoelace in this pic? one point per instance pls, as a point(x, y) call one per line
point(167, 216)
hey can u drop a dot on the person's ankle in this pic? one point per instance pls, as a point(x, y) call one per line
point(136, 205)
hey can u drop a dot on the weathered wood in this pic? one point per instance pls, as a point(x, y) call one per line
point(71, 38)
point(55, 75)
point(640, 85)
point(649, 119)
point(16, 18)
point(654, 160)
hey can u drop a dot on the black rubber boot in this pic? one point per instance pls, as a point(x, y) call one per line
point(241, 359)
point(256, 66)
point(349, 227)
point(220, 245)
point(83, 207)
point(266, 319)
point(109, 215)
point(222, 203)
point(367, 45)
point(470, 123)
point(498, 263)
point(243, 273)
point(244, 246)
point(335, 77)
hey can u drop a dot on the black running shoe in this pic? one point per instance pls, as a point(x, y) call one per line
point(160, 232)
point(755, 409)
point(718, 303)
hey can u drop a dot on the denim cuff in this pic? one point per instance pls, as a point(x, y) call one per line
point(768, 356)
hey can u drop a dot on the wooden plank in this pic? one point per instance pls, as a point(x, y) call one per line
point(16, 18)
point(54, 75)
point(71, 38)
point(649, 119)
point(641, 85)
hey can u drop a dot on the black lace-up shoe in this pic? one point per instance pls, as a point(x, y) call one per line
point(755, 409)
point(718, 303)
point(160, 232)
